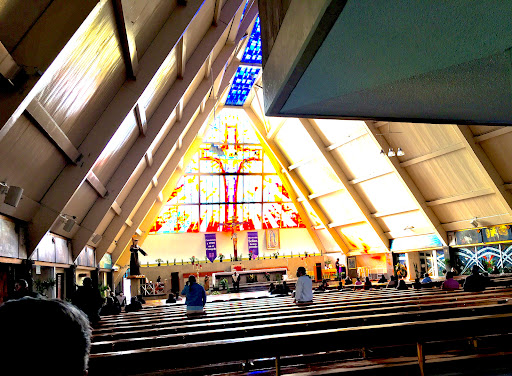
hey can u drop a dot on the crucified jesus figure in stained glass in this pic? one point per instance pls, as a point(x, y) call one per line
point(233, 225)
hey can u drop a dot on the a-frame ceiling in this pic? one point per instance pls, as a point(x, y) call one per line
point(86, 140)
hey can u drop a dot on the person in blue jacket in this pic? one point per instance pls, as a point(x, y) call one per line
point(196, 296)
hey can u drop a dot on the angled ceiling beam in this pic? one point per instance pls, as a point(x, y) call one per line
point(496, 133)
point(52, 130)
point(370, 177)
point(80, 15)
point(312, 129)
point(392, 212)
point(485, 166)
point(140, 117)
point(96, 184)
point(435, 154)
point(275, 129)
point(122, 244)
point(260, 131)
point(123, 103)
point(464, 196)
point(325, 193)
point(70, 179)
point(181, 130)
point(408, 184)
point(348, 139)
point(127, 38)
point(291, 193)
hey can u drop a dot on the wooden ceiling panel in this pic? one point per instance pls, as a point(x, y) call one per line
point(92, 72)
point(116, 149)
point(193, 86)
point(160, 84)
point(339, 130)
point(418, 139)
point(29, 160)
point(402, 223)
point(327, 241)
point(295, 142)
point(131, 182)
point(17, 17)
point(386, 194)
point(484, 206)
point(319, 177)
point(340, 208)
point(198, 27)
point(361, 158)
point(147, 18)
point(448, 175)
point(479, 130)
point(81, 202)
point(499, 151)
point(163, 132)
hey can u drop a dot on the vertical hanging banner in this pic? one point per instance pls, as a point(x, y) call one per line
point(211, 246)
point(252, 239)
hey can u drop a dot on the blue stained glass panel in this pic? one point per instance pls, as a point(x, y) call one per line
point(242, 84)
point(252, 53)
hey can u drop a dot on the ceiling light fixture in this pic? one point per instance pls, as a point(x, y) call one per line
point(391, 152)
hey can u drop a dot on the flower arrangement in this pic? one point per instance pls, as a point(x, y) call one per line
point(193, 260)
point(401, 270)
point(221, 257)
point(267, 276)
point(159, 261)
point(275, 254)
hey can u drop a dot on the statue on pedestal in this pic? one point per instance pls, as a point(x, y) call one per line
point(134, 257)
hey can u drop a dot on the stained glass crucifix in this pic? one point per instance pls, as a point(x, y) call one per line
point(233, 225)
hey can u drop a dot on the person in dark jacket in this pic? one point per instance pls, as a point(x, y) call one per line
point(475, 281)
point(196, 296)
point(89, 300)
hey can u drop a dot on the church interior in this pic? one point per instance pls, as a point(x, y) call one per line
point(146, 141)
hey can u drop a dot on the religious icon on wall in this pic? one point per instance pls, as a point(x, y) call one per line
point(272, 238)
point(351, 262)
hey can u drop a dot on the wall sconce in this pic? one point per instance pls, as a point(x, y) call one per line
point(12, 194)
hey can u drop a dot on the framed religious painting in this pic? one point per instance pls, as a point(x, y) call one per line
point(272, 238)
point(351, 262)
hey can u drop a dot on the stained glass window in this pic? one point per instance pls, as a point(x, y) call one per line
point(252, 53)
point(227, 183)
point(242, 84)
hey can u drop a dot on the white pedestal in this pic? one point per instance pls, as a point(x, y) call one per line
point(134, 286)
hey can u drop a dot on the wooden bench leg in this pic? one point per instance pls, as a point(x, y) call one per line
point(278, 366)
point(421, 358)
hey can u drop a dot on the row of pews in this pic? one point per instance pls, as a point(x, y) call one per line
point(282, 337)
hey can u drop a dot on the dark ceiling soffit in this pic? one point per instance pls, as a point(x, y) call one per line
point(325, 25)
point(391, 119)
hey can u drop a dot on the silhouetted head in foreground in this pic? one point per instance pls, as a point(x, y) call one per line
point(62, 329)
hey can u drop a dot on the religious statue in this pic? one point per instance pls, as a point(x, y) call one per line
point(134, 258)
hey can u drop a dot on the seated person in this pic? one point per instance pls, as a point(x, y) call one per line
point(495, 270)
point(348, 281)
point(475, 281)
point(340, 285)
point(417, 284)
point(367, 283)
point(134, 305)
point(171, 299)
point(358, 282)
point(402, 285)
point(450, 283)
point(304, 287)
point(286, 288)
point(121, 299)
point(426, 278)
point(110, 308)
point(88, 299)
point(392, 282)
point(271, 288)
point(21, 290)
point(382, 279)
point(63, 328)
point(323, 287)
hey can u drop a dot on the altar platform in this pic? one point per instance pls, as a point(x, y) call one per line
point(259, 273)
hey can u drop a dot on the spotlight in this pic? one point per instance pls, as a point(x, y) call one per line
point(382, 152)
point(391, 152)
point(400, 152)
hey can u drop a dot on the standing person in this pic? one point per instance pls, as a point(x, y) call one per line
point(475, 281)
point(207, 283)
point(304, 287)
point(88, 299)
point(134, 257)
point(236, 281)
point(196, 296)
point(337, 265)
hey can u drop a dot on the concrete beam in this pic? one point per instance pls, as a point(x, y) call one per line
point(127, 39)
